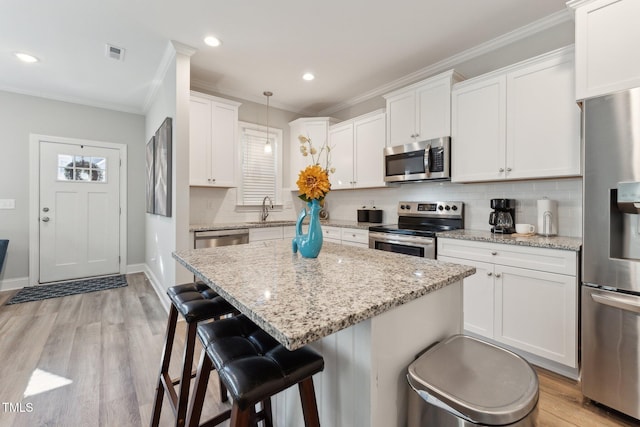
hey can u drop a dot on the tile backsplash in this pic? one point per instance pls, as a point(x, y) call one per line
point(218, 205)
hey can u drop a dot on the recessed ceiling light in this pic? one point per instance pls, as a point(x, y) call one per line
point(212, 41)
point(308, 76)
point(25, 57)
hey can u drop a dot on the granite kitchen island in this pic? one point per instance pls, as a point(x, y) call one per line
point(368, 312)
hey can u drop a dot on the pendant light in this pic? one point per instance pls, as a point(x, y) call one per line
point(267, 145)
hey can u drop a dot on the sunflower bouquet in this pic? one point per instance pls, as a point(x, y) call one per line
point(313, 181)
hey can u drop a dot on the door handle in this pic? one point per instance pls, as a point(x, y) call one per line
point(617, 302)
point(45, 219)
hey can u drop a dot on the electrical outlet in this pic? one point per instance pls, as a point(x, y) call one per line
point(7, 203)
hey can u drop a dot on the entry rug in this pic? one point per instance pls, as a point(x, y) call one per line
point(63, 289)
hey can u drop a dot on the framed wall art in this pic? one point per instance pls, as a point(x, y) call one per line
point(159, 170)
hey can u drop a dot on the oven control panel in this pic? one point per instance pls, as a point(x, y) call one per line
point(451, 209)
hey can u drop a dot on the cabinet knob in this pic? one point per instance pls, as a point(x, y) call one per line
point(489, 273)
point(501, 170)
point(494, 253)
point(212, 180)
point(498, 275)
point(508, 169)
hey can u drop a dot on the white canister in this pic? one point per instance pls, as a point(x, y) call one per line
point(547, 217)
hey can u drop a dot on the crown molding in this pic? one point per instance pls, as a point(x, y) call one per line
point(74, 100)
point(448, 63)
point(173, 48)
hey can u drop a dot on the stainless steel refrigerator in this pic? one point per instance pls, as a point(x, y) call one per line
point(610, 295)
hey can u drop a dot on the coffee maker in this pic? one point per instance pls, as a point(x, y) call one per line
point(503, 217)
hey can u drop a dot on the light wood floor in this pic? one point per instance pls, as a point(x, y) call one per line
point(109, 344)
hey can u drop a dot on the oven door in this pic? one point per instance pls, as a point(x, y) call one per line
point(409, 245)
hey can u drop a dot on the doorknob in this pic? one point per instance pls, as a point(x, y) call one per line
point(45, 219)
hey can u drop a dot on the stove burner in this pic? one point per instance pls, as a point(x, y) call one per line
point(425, 219)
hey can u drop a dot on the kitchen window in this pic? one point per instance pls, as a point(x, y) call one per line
point(261, 171)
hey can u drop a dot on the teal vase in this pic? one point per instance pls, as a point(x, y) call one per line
point(308, 244)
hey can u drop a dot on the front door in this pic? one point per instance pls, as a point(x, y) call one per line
point(79, 211)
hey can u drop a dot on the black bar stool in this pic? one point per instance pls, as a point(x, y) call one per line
point(196, 302)
point(253, 366)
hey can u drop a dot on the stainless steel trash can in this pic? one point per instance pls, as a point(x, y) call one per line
point(464, 381)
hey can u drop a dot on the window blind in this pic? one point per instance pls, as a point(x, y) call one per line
point(258, 168)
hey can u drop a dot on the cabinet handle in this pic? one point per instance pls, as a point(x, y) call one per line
point(508, 169)
point(213, 180)
point(501, 170)
point(494, 253)
point(413, 135)
point(489, 273)
point(498, 275)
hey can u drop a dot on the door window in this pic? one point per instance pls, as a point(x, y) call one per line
point(82, 168)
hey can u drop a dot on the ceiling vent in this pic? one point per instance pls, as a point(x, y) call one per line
point(114, 52)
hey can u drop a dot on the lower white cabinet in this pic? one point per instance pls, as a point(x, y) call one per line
point(331, 234)
point(340, 235)
point(346, 236)
point(524, 297)
point(355, 237)
point(265, 233)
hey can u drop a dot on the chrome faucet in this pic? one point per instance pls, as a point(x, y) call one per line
point(265, 208)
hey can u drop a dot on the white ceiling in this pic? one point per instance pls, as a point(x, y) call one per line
point(353, 46)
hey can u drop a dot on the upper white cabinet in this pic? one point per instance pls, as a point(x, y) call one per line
point(421, 111)
point(607, 34)
point(213, 127)
point(316, 129)
point(357, 151)
point(519, 122)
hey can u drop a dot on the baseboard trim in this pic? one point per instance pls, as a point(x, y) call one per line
point(12, 284)
point(157, 286)
point(136, 268)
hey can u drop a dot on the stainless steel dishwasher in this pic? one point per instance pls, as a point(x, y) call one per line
point(211, 239)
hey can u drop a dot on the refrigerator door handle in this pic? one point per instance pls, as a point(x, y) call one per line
point(628, 303)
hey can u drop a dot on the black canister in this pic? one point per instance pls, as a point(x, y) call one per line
point(375, 215)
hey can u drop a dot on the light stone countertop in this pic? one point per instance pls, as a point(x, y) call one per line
point(299, 300)
point(277, 223)
point(552, 242)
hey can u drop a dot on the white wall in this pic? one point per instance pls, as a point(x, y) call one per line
point(22, 115)
point(166, 234)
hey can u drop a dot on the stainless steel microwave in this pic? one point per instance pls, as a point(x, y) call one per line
point(418, 161)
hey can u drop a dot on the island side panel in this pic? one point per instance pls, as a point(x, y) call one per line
point(397, 337)
point(342, 389)
point(364, 380)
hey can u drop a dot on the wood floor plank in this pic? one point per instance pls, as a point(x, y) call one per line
point(109, 344)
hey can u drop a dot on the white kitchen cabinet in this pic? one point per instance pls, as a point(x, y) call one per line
point(478, 296)
point(271, 233)
point(341, 143)
point(265, 233)
point(213, 126)
point(523, 297)
point(357, 152)
point(355, 237)
point(607, 35)
point(421, 111)
point(519, 122)
point(331, 234)
point(316, 129)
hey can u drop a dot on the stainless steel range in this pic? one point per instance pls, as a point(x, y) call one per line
point(418, 223)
